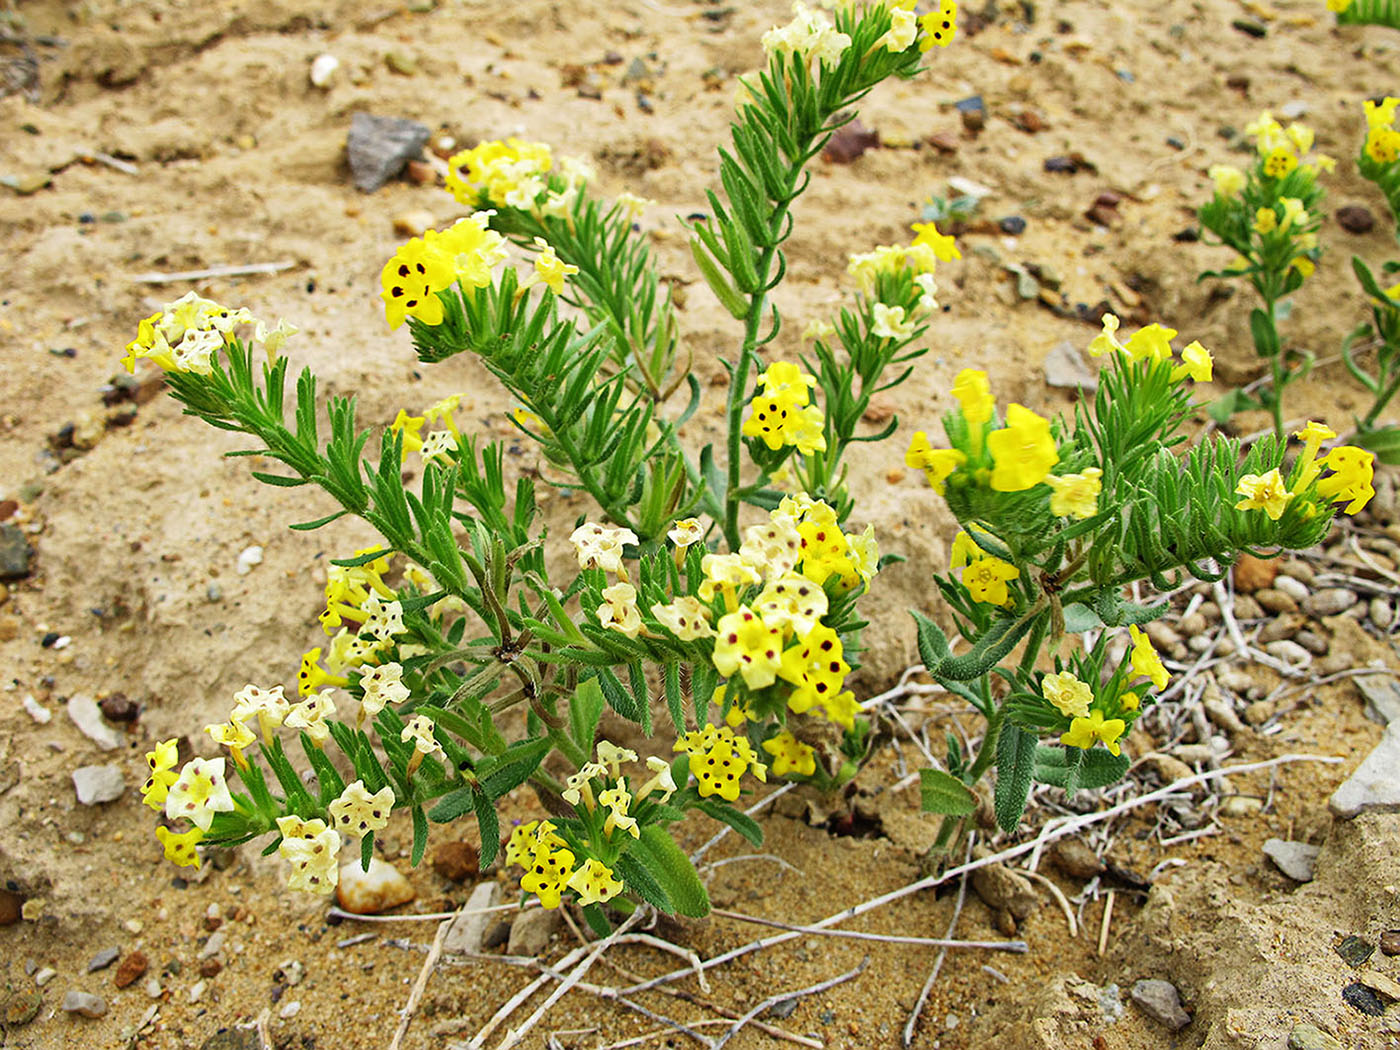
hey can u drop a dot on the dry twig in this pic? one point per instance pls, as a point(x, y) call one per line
point(774, 1000)
point(913, 1021)
point(887, 938)
point(416, 992)
point(247, 270)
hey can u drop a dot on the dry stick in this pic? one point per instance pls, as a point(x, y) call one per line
point(774, 1000)
point(887, 938)
point(1227, 613)
point(214, 271)
point(1107, 920)
point(336, 913)
point(521, 996)
point(750, 856)
point(1060, 899)
point(914, 1014)
point(1050, 833)
point(416, 993)
point(748, 813)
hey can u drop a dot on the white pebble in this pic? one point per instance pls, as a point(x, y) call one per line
point(323, 70)
point(1295, 589)
point(290, 1010)
point(37, 711)
point(197, 991)
point(45, 975)
point(62, 643)
point(153, 988)
point(249, 557)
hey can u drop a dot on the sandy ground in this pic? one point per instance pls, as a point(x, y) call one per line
point(239, 160)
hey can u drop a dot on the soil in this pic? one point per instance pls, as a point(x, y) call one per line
point(237, 159)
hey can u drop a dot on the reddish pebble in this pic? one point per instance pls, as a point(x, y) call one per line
point(131, 969)
point(457, 861)
point(210, 968)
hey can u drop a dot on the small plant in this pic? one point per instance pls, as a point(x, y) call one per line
point(457, 668)
point(1059, 518)
point(1366, 12)
point(1269, 214)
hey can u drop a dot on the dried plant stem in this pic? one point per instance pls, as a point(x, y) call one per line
point(214, 271)
point(1060, 899)
point(857, 935)
point(774, 1000)
point(918, 1010)
point(416, 992)
point(1107, 921)
point(336, 913)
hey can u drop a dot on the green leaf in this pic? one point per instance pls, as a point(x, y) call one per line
point(420, 835)
point(674, 701)
point(366, 851)
point(1266, 341)
point(514, 766)
point(1080, 618)
point(453, 805)
point(307, 526)
point(725, 814)
point(944, 793)
point(279, 480)
point(585, 709)
point(597, 921)
point(489, 825)
point(619, 698)
point(933, 643)
point(641, 881)
point(1015, 768)
point(1383, 441)
point(667, 863)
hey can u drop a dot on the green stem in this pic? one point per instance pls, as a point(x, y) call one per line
point(738, 391)
point(1382, 399)
point(615, 513)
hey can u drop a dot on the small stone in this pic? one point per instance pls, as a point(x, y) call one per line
point(44, 976)
point(1354, 950)
point(84, 1004)
point(1329, 602)
point(247, 558)
point(850, 143)
point(1027, 287)
point(1246, 608)
point(1282, 626)
point(1390, 942)
point(15, 553)
point(379, 147)
point(966, 187)
point(10, 907)
point(1060, 166)
point(973, 112)
point(420, 173)
point(1168, 769)
point(9, 626)
point(1252, 574)
point(197, 990)
point(213, 593)
point(1001, 888)
point(1297, 860)
point(532, 931)
point(1382, 613)
point(1220, 712)
point(290, 972)
point(1359, 997)
point(210, 968)
point(374, 891)
point(152, 988)
point(103, 959)
point(401, 62)
point(98, 784)
point(1076, 859)
point(1310, 1037)
point(116, 707)
point(1250, 27)
point(1012, 225)
point(1312, 642)
point(1241, 806)
point(1382, 696)
point(290, 1010)
point(413, 223)
point(1355, 219)
point(1161, 1001)
point(86, 715)
point(131, 970)
point(497, 936)
point(1275, 601)
point(468, 930)
point(1193, 624)
point(234, 1039)
point(1291, 653)
point(456, 861)
point(215, 944)
point(1289, 585)
point(944, 141)
point(27, 183)
point(21, 1006)
point(1066, 369)
point(323, 69)
point(1385, 987)
point(1375, 786)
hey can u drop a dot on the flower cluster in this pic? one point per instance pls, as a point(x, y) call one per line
point(1349, 481)
point(780, 414)
point(358, 597)
point(718, 758)
point(917, 261)
point(466, 254)
point(186, 335)
point(523, 176)
point(811, 36)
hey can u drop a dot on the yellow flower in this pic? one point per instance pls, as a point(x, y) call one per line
point(1145, 661)
point(419, 729)
point(792, 601)
point(661, 779)
point(1228, 179)
point(842, 709)
point(528, 839)
point(1304, 265)
point(790, 755)
point(1068, 694)
point(548, 875)
point(199, 793)
point(233, 735)
point(773, 547)
point(904, 28)
point(619, 610)
point(1312, 436)
point(746, 645)
point(1152, 343)
point(381, 685)
point(600, 546)
point(1265, 492)
point(818, 329)
point(1107, 340)
point(508, 172)
point(888, 322)
point(1023, 452)
point(1075, 495)
point(1129, 702)
point(936, 463)
point(686, 617)
point(617, 801)
point(1383, 145)
point(818, 669)
point(356, 812)
point(407, 427)
point(940, 26)
point(162, 764)
point(1380, 114)
point(964, 550)
point(180, 846)
point(974, 394)
point(1293, 212)
point(550, 270)
point(472, 248)
point(594, 883)
point(685, 532)
point(411, 280)
point(1280, 162)
point(312, 677)
point(726, 572)
point(1338, 6)
point(1196, 363)
point(1265, 220)
point(311, 849)
point(1083, 732)
point(985, 579)
point(1352, 472)
point(269, 707)
point(579, 787)
point(944, 245)
point(718, 759)
point(1301, 136)
point(310, 716)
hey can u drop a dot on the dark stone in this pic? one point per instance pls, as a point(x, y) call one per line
point(1161, 1001)
point(379, 147)
point(783, 1009)
point(1359, 997)
point(1012, 224)
point(849, 143)
point(1390, 942)
point(456, 861)
point(1190, 235)
point(233, 1039)
point(15, 553)
point(1250, 27)
point(49, 639)
point(210, 968)
point(1355, 219)
point(132, 968)
point(1175, 143)
point(117, 708)
point(1355, 950)
point(496, 935)
point(971, 104)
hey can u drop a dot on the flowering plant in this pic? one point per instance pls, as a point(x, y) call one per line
point(468, 666)
point(1058, 519)
point(1366, 12)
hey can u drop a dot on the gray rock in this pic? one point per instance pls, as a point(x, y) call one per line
point(15, 553)
point(1313, 642)
point(103, 959)
point(1067, 369)
point(233, 1039)
point(1382, 697)
point(214, 945)
point(532, 931)
point(1161, 1002)
point(1290, 653)
point(1375, 786)
point(83, 1003)
point(87, 716)
point(379, 147)
point(1329, 602)
point(1310, 1037)
point(1001, 888)
point(1297, 860)
point(468, 930)
point(98, 784)
point(1295, 589)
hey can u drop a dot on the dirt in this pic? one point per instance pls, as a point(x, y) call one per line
point(238, 160)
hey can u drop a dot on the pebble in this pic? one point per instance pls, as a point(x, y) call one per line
point(98, 784)
point(1382, 614)
point(1241, 806)
point(11, 905)
point(103, 959)
point(152, 988)
point(1297, 860)
point(379, 147)
point(1313, 642)
point(1161, 1001)
point(1066, 369)
point(850, 143)
point(468, 931)
point(1252, 574)
point(117, 707)
point(36, 710)
point(1001, 888)
point(290, 1009)
point(1250, 27)
point(1310, 1037)
point(1334, 663)
point(1076, 859)
point(83, 1003)
point(1193, 625)
point(1355, 219)
point(1329, 602)
point(1276, 601)
point(131, 970)
point(1382, 696)
point(1390, 942)
point(1383, 986)
point(1167, 768)
point(1281, 627)
point(247, 558)
point(1354, 950)
point(197, 990)
point(532, 931)
point(234, 1039)
point(1360, 998)
point(45, 975)
point(1290, 653)
point(1222, 713)
point(1295, 589)
point(215, 944)
point(1012, 225)
point(15, 553)
point(1375, 786)
point(86, 715)
point(21, 1006)
point(456, 861)
point(413, 223)
point(323, 69)
point(1246, 608)
point(371, 892)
